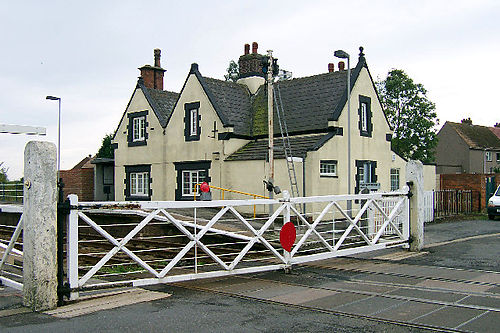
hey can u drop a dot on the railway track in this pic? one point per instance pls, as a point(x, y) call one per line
point(465, 305)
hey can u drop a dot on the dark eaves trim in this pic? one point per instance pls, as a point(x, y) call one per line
point(323, 140)
point(194, 70)
point(231, 135)
point(354, 77)
point(151, 101)
point(125, 112)
point(404, 159)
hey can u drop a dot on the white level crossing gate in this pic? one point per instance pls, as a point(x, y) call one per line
point(144, 243)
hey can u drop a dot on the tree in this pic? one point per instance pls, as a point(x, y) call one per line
point(106, 149)
point(3, 173)
point(233, 72)
point(411, 115)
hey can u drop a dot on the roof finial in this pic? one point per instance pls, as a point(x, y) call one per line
point(361, 54)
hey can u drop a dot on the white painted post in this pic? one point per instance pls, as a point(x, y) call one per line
point(72, 251)
point(286, 219)
point(415, 174)
point(40, 226)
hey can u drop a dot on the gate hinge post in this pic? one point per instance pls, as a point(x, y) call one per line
point(410, 185)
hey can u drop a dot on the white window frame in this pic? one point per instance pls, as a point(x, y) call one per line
point(394, 177)
point(189, 180)
point(139, 184)
point(328, 168)
point(139, 128)
point(489, 156)
point(364, 117)
point(367, 173)
point(193, 122)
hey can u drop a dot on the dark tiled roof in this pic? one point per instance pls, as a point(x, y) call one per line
point(257, 150)
point(308, 103)
point(233, 101)
point(477, 137)
point(162, 102)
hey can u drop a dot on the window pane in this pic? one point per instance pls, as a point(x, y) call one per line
point(364, 117)
point(194, 122)
point(146, 183)
point(133, 185)
point(186, 182)
point(328, 168)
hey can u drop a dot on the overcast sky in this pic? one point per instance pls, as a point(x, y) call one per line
point(88, 52)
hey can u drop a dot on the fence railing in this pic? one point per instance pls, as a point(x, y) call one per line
point(142, 243)
point(11, 246)
point(454, 202)
point(11, 192)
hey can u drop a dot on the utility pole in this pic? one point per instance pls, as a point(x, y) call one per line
point(270, 127)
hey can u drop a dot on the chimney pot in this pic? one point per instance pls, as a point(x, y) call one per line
point(152, 76)
point(331, 67)
point(255, 46)
point(247, 49)
point(157, 53)
point(341, 65)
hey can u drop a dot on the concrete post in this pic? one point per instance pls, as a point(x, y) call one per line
point(40, 226)
point(415, 174)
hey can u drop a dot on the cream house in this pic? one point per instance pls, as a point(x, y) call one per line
point(216, 131)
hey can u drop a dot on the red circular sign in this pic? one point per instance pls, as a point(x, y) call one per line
point(204, 187)
point(288, 236)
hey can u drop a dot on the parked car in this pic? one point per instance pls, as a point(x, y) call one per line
point(494, 205)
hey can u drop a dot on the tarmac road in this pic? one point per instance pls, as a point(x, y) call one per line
point(463, 244)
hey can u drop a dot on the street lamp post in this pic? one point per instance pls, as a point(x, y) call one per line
point(344, 55)
point(53, 98)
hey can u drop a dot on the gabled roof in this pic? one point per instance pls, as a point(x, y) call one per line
point(496, 131)
point(300, 145)
point(162, 102)
point(308, 102)
point(475, 136)
point(233, 101)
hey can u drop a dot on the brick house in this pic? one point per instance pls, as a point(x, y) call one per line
point(465, 148)
point(79, 180)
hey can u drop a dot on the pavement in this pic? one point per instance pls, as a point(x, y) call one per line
point(453, 285)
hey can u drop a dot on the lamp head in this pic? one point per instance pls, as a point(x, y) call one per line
point(341, 54)
point(53, 98)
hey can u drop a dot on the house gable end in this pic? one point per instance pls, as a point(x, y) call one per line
point(194, 70)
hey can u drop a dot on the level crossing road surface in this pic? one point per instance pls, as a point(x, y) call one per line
point(453, 285)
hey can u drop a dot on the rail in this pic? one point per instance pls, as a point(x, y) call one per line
point(11, 192)
point(11, 247)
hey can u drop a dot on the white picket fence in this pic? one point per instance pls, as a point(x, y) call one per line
point(428, 206)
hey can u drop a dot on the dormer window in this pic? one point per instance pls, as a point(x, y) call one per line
point(365, 116)
point(192, 129)
point(137, 128)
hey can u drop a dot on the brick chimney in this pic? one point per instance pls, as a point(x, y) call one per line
point(341, 65)
point(255, 46)
point(153, 75)
point(250, 65)
point(331, 67)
